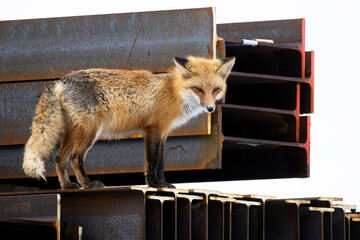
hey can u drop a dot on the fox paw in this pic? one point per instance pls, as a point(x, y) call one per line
point(74, 185)
point(96, 184)
point(161, 185)
point(169, 185)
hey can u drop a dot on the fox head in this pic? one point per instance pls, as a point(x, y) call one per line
point(204, 80)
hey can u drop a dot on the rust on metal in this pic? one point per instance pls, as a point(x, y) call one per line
point(284, 32)
point(41, 211)
point(141, 212)
point(50, 48)
point(297, 202)
point(345, 207)
point(307, 88)
point(122, 156)
point(17, 107)
point(289, 32)
point(280, 95)
point(320, 209)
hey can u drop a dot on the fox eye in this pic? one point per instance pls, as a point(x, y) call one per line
point(216, 89)
point(198, 89)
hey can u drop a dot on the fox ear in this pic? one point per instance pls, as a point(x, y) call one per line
point(226, 66)
point(180, 64)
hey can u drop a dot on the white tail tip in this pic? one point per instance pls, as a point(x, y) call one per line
point(34, 168)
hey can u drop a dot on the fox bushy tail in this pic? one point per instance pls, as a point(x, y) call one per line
point(46, 130)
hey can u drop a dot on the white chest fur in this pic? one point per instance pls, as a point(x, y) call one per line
point(191, 108)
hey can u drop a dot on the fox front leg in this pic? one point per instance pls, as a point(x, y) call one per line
point(154, 160)
point(160, 166)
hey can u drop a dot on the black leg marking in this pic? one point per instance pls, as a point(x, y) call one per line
point(161, 165)
point(154, 157)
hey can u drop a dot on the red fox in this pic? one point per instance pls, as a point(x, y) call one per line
point(85, 103)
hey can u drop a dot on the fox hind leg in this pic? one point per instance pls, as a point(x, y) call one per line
point(61, 159)
point(84, 139)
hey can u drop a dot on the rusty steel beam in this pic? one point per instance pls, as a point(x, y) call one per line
point(307, 218)
point(150, 213)
point(258, 123)
point(339, 223)
point(273, 91)
point(36, 215)
point(111, 213)
point(283, 32)
point(49, 48)
point(241, 157)
point(352, 225)
point(124, 156)
point(288, 32)
point(307, 88)
point(160, 217)
point(111, 41)
point(282, 219)
point(274, 59)
point(246, 153)
point(17, 108)
point(316, 223)
point(240, 218)
point(188, 215)
point(105, 214)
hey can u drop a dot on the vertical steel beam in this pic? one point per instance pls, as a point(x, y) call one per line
point(219, 218)
point(339, 221)
point(353, 225)
point(355, 228)
point(257, 216)
point(308, 86)
point(338, 224)
point(315, 223)
point(188, 215)
point(240, 218)
point(282, 219)
point(160, 217)
point(109, 213)
point(203, 212)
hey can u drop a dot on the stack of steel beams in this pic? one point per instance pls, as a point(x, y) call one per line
point(270, 89)
point(148, 213)
point(35, 53)
point(258, 132)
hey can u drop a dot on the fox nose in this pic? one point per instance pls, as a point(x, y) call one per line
point(210, 109)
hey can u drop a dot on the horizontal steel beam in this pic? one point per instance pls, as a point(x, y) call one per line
point(49, 48)
point(274, 59)
point(273, 91)
point(17, 108)
point(124, 156)
point(287, 32)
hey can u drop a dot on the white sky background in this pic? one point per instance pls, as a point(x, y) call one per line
point(332, 31)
